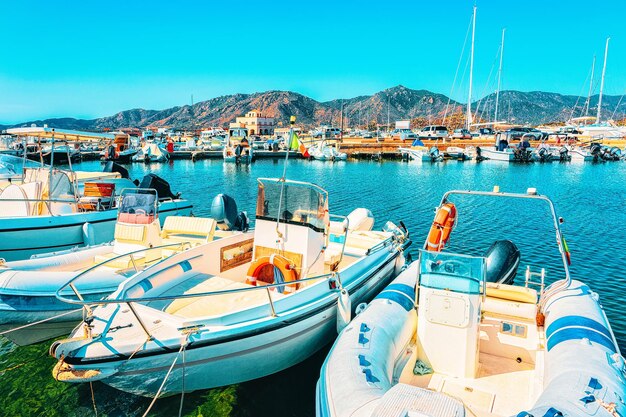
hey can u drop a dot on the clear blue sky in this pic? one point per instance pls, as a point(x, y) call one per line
point(93, 58)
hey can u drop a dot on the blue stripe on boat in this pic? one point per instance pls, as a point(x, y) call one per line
point(577, 321)
point(397, 297)
point(403, 288)
point(577, 333)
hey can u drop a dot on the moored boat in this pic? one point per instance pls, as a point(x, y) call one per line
point(242, 307)
point(28, 287)
point(441, 340)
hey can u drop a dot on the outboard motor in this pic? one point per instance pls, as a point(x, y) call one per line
point(563, 153)
point(434, 153)
point(502, 261)
point(224, 211)
point(161, 186)
point(595, 149)
point(616, 153)
point(111, 166)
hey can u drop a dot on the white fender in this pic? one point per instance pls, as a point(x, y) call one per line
point(344, 310)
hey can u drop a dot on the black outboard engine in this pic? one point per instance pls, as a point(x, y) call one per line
point(595, 149)
point(563, 153)
point(502, 261)
point(111, 166)
point(224, 211)
point(161, 186)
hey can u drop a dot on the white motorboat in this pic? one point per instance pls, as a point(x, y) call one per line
point(151, 152)
point(456, 152)
point(324, 152)
point(419, 152)
point(241, 307)
point(237, 149)
point(51, 209)
point(28, 287)
point(441, 341)
point(506, 154)
point(578, 154)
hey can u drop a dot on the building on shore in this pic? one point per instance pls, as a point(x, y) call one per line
point(256, 123)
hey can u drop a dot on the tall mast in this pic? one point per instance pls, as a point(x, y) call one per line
point(495, 116)
point(468, 117)
point(606, 52)
point(388, 101)
point(593, 69)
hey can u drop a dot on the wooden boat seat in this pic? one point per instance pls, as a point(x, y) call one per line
point(214, 305)
point(97, 196)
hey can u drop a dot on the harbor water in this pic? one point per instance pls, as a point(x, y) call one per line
point(590, 197)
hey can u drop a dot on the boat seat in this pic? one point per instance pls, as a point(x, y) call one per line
point(332, 255)
point(214, 305)
point(195, 230)
point(407, 400)
point(19, 207)
point(130, 238)
point(512, 293)
point(509, 308)
point(97, 196)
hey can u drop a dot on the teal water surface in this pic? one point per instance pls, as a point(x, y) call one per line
point(590, 197)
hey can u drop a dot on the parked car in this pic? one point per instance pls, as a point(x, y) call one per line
point(461, 134)
point(528, 132)
point(486, 131)
point(433, 131)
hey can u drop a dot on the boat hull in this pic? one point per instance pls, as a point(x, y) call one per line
point(497, 155)
point(237, 357)
point(22, 237)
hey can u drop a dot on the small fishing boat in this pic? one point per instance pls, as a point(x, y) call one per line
point(119, 150)
point(441, 340)
point(237, 308)
point(324, 152)
point(579, 154)
point(150, 152)
point(237, 149)
point(49, 209)
point(419, 152)
point(28, 287)
point(456, 152)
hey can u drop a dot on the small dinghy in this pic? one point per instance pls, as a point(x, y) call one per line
point(466, 347)
point(239, 308)
point(151, 152)
point(324, 152)
point(29, 310)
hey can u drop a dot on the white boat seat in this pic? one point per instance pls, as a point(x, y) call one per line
point(19, 207)
point(196, 230)
point(512, 293)
point(499, 307)
point(218, 304)
point(332, 255)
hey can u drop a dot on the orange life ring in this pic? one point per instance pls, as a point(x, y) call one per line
point(258, 272)
point(439, 234)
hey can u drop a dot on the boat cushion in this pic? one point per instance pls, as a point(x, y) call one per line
point(128, 233)
point(218, 304)
point(19, 207)
point(512, 293)
point(195, 230)
point(500, 307)
point(407, 400)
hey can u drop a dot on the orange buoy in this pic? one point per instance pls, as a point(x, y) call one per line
point(444, 222)
point(261, 272)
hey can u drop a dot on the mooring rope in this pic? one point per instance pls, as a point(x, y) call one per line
point(39, 322)
point(156, 397)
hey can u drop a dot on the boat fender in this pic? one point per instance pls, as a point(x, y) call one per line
point(89, 238)
point(344, 310)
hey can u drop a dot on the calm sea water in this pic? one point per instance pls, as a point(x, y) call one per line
point(590, 197)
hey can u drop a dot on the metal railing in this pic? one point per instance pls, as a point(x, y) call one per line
point(559, 285)
point(123, 299)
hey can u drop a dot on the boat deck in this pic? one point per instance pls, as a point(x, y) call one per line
point(502, 387)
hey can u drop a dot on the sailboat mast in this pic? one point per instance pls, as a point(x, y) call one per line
point(468, 116)
point(495, 116)
point(593, 69)
point(606, 52)
point(388, 103)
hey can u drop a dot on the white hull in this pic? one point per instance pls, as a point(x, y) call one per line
point(416, 154)
point(251, 350)
point(495, 155)
point(22, 237)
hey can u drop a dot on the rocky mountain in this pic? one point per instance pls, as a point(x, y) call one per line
point(400, 102)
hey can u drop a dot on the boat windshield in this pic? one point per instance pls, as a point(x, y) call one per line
point(12, 167)
point(451, 271)
point(302, 203)
point(138, 206)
